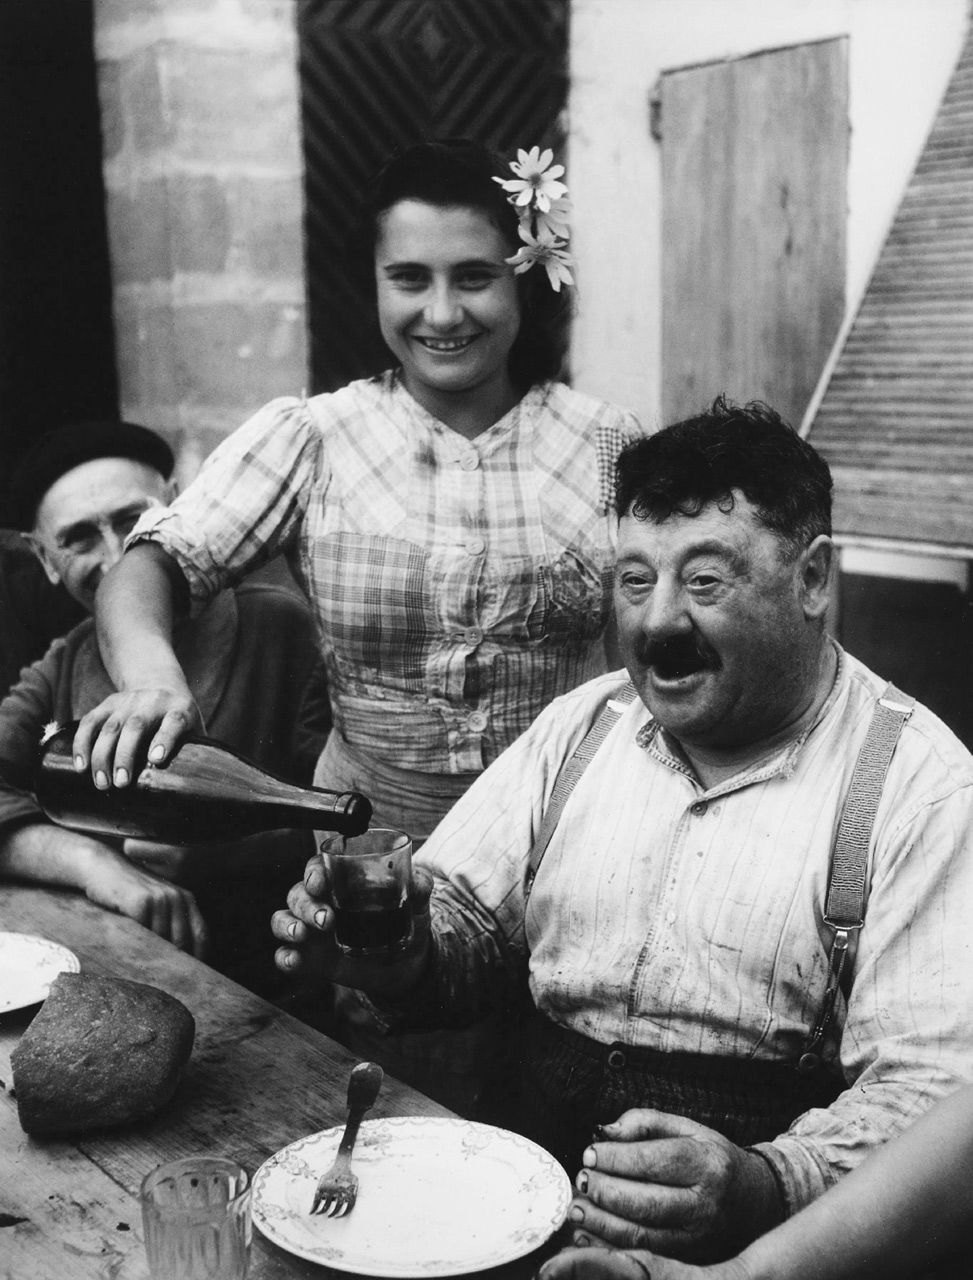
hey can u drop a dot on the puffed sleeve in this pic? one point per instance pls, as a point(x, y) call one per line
point(248, 502)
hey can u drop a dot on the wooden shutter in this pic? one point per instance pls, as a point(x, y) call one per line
point(754, 167)
point(896, 418)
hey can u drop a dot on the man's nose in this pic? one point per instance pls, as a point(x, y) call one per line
point(442, 309)
point(665, 612)
point(110, 549)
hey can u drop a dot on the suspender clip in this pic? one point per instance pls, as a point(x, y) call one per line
point(842, 929)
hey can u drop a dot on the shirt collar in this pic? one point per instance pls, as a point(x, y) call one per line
point(660, 745)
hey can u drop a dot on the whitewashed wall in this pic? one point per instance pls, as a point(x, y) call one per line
point(901, 55)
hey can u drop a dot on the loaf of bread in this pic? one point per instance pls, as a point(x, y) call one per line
point(102, 1051)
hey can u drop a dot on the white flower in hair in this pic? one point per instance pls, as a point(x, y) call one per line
point(547, 249)
point(537, 179)
point(544, 212)
point(557, 218)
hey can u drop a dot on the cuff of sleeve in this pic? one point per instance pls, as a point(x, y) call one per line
point(416, 1009)
point(384, 1018)
point(801, 1175)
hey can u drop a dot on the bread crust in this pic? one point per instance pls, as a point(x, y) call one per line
point(102, 1051)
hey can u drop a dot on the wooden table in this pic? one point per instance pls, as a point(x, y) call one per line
point(258, 1079)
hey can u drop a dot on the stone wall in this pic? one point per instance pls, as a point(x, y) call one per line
point(203, 177)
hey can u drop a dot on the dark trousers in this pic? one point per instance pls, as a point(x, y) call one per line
point(569, 1084)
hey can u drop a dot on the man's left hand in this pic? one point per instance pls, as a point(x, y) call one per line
point(657, 1181)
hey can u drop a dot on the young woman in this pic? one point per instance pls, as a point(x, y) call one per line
point(904, 1213)
point(448, 520)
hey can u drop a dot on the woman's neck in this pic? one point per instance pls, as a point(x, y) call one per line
point(470, 412)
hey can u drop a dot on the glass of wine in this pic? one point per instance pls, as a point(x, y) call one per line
point(371, 877)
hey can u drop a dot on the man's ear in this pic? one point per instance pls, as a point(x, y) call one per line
point(36, 545)
point(817, 570)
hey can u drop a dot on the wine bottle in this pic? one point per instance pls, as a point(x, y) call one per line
point(206, 792)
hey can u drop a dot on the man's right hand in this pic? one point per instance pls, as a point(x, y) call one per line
point(306, 931)
point(116, 737)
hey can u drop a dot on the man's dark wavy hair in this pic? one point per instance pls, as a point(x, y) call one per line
point(451, 172)
point(702, 460)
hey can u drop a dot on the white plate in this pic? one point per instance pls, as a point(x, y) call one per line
point(436, 1197)
point(28, 966)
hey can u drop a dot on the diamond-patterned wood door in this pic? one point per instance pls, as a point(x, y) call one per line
point(377, 75)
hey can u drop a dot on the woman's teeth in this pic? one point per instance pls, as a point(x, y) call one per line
point(445, 344)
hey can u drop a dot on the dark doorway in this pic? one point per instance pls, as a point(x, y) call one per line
point(381, 75)
point(57, 348)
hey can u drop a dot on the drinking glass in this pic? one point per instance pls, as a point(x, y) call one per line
point(371, 876)
point(196, 1217)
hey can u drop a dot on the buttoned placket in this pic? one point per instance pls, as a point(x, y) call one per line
point(700, 807)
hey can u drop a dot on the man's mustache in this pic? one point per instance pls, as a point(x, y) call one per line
point(676, 653)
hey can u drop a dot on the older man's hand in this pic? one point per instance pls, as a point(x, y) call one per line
point(306, 930)
point(660, 1182)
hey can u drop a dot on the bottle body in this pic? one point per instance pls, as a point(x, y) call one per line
point(206, 793)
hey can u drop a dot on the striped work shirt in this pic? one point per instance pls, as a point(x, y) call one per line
point(459, 585)
point(682, 919)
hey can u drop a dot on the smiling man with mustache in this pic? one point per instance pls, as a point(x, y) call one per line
point(651, 862)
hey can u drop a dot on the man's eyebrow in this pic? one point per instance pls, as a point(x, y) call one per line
point(710, 547)
point(81, 528)
point(714, 547)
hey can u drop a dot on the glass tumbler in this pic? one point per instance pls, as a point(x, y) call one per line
point(196, 1218)
point(371, 876)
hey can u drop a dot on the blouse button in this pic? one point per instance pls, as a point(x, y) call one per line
point(469, 461)
point(477, 721)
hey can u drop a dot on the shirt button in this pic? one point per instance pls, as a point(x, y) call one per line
point(616, 1059)
point(473, 636)
point(477, 721)
point(671, 918)
point(475, 546)
point(469, 461)
point(699, 808)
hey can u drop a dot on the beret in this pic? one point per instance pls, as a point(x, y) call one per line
point(68, 447)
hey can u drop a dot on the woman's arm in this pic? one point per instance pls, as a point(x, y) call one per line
point(135, 610)
point(905, 1209)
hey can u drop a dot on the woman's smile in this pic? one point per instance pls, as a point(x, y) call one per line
point(446, 346)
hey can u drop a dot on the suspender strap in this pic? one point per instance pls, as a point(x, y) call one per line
point(571, 771)
point(845, 907)
point(844, 912)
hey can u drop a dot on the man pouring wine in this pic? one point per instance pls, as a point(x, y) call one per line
point(249, 655)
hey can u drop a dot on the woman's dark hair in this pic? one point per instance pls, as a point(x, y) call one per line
point(702, 460)
point(455, 172)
